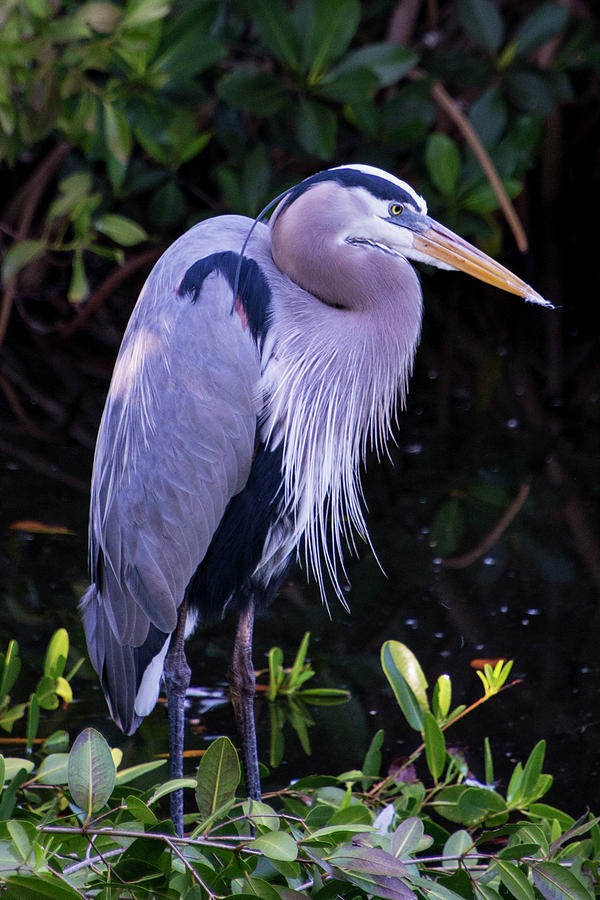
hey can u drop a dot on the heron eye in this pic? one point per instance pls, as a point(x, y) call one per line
point(395, 209)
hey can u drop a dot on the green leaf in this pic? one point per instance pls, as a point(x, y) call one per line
point(442, 159)
point(124, 776)
point(141, 811)
point(143, 12)
point(121, 229)
point(408, 682)
point(372, 762)
point(488, 116)
point(388, 62)
point(458, 843)
point(91, 771)
point(273, 24)
point(540, 26)
point(442, 697)
point(299, 660)
point(44, 885)
point(533, 770)
point(489, 762)
point(447, 526)
point(483, 22)
point(57, 653)
point(555, 882)
point(19, 256)
point(10, 666)
point(446, 802)
point(53, 769)
point(118, 143)
point(33, 721)
point(435, 745)
point(317, 128)
point(218, 777)
point(276, 845)
point(514, 880)
point(477, 804)
point(331, 27)
point(407, 837)
point(13, 765)
point(79, 287)
point(259, 93)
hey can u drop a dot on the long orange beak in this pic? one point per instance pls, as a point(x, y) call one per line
point(444, 246)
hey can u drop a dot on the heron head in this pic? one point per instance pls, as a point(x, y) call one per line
point(373, 212)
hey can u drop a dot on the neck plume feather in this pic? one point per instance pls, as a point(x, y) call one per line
point(332, 381)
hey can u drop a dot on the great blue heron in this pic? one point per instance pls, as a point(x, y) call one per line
point(245, 395)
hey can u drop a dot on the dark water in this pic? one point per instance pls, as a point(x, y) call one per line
point(532, 596)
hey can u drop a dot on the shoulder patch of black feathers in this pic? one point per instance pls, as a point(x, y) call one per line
point(253, 290)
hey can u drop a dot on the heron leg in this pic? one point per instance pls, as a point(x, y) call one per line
point(177, 674)
point(242, 684)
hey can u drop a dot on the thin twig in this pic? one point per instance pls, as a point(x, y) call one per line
point(461, 562)
point(453, 110)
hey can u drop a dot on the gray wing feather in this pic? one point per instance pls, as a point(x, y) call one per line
point(175, 444)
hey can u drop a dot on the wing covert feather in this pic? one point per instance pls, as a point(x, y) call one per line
point(175, 444)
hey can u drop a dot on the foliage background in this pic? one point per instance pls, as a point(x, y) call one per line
point(123, 123)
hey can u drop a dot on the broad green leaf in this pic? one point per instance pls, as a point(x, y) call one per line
point(121, 229)
point(174, 784)
point(124, 776)
point(218, 777)
point(276, 845)
point(442, 159)
point(372, 762)
point(555, 882)
point(485, 892)
point(13, 765)
point(56, 654)
point(488, 116)
point(533, 769)
point(442, 697)
point(261, 814)
point(477, 804)
point(331, 27)
point(53, 769)
point(259, 93)
point(514, 880)
point(540, 26)
point(458, 843)
point(407, 680)
point(354, 86)
point(12, 715)
point(143, 12)
point(19, 256)
point(483, 22)
point(272, 21)
point(44, 885)
point(2, 772)
point(407, 837)
point(435, 745)
point(388, 62)
point(91, 771)
point(22, 836)
point(446, 802)
point(141, 811)
point(118, 143)
point(370, 860)
point(317, 128)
